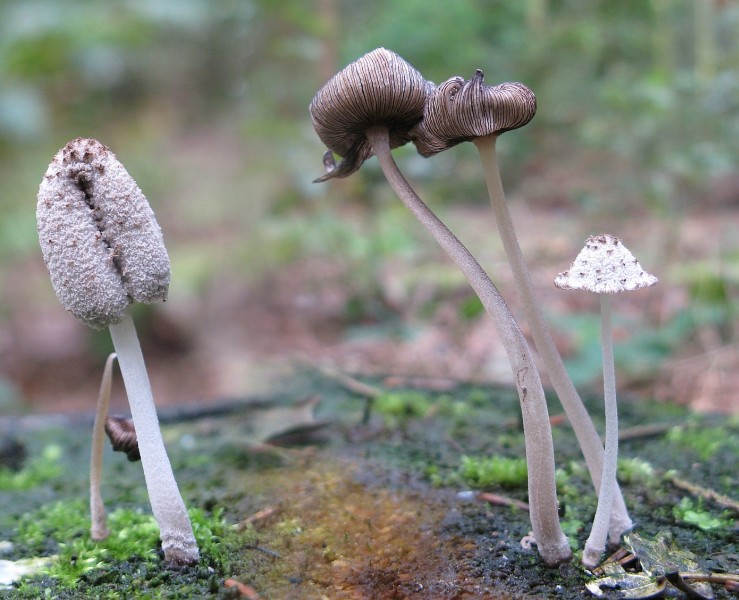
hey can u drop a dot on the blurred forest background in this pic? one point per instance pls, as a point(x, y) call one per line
point(205, 103)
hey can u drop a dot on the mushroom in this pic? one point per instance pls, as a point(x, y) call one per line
point(104, 250)
point(605, 266)
point(459, 111)
point(99, 529)
point(369, 108)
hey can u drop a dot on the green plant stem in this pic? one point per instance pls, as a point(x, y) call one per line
point(577, 414)
point(596, 542)
point(178, 541)
point(99, 529)
point(551, 541)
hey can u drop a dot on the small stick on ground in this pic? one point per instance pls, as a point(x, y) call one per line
point(350, 383)
point(706, 493)
point(258, 517)
point(500, 500)
point(644, 431)
point(244, 590)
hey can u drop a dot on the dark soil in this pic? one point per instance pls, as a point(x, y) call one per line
point(361, 504)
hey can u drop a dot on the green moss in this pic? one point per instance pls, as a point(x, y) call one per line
point(40, 469)
point(62, 530)
point(634, 471)
point(706, 442)
point(399, 407)
point(693, 513)
point(493, 471)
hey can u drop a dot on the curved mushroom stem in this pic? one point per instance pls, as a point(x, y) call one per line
point(178, 541)
point(99, 529)
point(596, 542)
point(577, 414)
point(551, 541)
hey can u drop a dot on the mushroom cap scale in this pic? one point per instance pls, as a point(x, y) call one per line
point(459, 111)
point(378, 89)
point(98, 235)
point(604, 266)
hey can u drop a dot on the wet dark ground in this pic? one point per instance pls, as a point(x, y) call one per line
point(346, 498)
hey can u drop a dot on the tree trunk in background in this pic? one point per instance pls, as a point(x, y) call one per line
point(328, 18)
point(536, 17)
point(663, 52)
point(704, 20)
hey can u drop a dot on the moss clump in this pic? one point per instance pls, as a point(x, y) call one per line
point(61, 530)
point(694, 513)
point(39, 470)
point(494, 471)
point(706, 442)
point(398, 408)
point(635, 471)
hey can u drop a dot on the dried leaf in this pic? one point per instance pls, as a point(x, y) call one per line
point(631, 585)
point(657, 557)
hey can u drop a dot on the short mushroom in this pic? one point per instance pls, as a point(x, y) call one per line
point(99, 529)
point(104, 250)
point(458, 111)
point(369, 108)
point(605, 266)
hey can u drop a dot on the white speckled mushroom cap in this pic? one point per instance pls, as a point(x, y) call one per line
point(98, 235)
point(604, 266)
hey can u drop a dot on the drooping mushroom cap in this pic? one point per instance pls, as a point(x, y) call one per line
point(604, 266)
point(459, 111)
point(99, 238)
point(378, 89)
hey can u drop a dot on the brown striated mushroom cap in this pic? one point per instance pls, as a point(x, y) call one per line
point(459, 111)
point(378, 89)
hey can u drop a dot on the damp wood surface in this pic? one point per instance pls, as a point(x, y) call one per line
point(325, 493)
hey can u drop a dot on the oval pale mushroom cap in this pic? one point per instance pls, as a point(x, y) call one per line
point(604, 266)
point(459, 111)
point(98, 235)
point(378, 89)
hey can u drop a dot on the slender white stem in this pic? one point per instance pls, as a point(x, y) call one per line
point(577, 414)
point(551, 541)
point(99, 529)
point(178, 541)
point(596, 542)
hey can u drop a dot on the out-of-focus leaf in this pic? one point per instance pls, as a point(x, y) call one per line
point(278, 425)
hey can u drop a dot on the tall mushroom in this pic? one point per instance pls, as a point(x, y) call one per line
point(369, 108)
point(104, 250)
point(605, 266)
point(458, 111)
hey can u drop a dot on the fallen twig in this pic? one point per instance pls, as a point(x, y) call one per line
point(500, 500)
point(644, 431)
point(706, 493)
point(258, 517)
point(350, 383)
point(245, 590)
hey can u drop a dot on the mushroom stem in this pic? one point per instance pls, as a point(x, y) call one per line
point(99, 529)
point(596, 542)
point(577, 414)
point(551, 541)
point(178, 541)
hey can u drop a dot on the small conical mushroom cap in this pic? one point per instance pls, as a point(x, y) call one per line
point(100, 240)
point(604, 266)
point(378, 89)
point(459, 111)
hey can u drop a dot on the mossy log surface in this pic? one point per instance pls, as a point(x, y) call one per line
point(347, 497)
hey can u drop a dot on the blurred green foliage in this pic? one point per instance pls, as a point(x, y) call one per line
point(206, 104)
